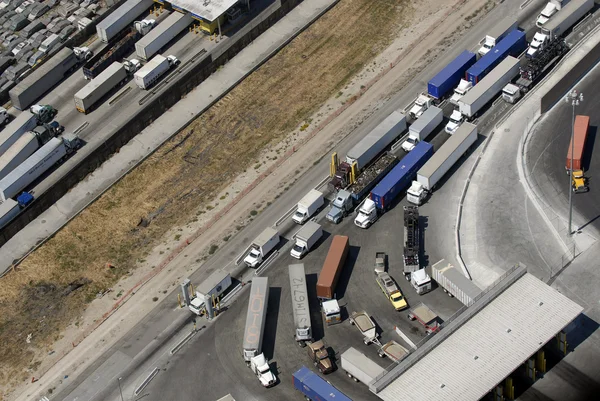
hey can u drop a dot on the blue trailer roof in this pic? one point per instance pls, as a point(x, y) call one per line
point(448, 76)
point(512, 43)
point(315, 384)
point(412, 158)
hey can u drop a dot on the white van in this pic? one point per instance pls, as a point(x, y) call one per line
point(49, 43)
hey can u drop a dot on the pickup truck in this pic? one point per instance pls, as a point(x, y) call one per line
point(318, 354)
point(390, 289)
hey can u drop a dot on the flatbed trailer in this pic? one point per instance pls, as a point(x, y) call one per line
point(425, 316)
point(366, 326)
point(393, 350)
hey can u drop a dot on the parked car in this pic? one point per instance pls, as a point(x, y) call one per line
point(66, 32)
point(36, 58)
point(24, 54)
point(53, 22)
point(18, 48)
point(59, 26)
point(23, 6)
point(37, 11)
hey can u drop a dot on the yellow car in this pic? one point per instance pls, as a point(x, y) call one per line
point(391, 291)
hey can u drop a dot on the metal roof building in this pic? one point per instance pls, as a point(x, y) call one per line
point(208, 10)
point(483, 345)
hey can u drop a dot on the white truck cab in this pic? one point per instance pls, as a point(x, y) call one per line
point(416, 193)
point(456, 119)
point(260, 366)
point(463, 87)
point(422, 103)
point(367, 214)
point(3, 115)
point(420, 281)
point(546, 14)
point(511, 93)
point(537, 44)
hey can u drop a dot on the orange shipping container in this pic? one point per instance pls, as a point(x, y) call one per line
point(334, 263)
point(581, 129)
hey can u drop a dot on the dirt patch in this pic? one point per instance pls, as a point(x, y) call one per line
point(52, 287)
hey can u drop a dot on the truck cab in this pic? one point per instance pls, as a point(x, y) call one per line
point(254, 257)
point(341, 206)
point(549, 10)
point(260, 366)
point(410, 143)
point(332, 312)
point(511, 93)
point(422, 103)
point(416, 193)
point(579, 183)
point(463, 87)
point(3, 115)
point(319, 356)
point(456, 119)
point(537, 44)
point(197, 304)
point(390, 289)
point(367, 214)
point(420, 281)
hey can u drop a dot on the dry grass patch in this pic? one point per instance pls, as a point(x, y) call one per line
point(52, 286)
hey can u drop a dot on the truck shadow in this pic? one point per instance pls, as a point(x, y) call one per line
point(586, 163)
point(271, 322)
point(423, 256)
point(346, 273)
point(316, 319)
point(323, 238)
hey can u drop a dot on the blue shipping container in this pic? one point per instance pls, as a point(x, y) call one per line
point(450, 76)
point(315, 388)
point(392, 184)
point(512, 45)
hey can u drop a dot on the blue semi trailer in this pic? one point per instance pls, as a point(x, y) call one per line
point(314, 388)
point(447, 79)
point(383, 195)
point(512, 45)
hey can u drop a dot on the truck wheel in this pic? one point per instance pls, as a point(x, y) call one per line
point(407, 277)
point(349, 375)
point(315, 363)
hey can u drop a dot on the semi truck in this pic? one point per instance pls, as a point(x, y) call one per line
point(496, 34)
point(441, 162)
point(319, 355)
point(445, 80)
point(260, 367)
point(366, 326)
point(482, 93)
point(533, 69)
point(426, 317)
point(463, 87)
point(455, 283)
point(9, 209)
point(149, 74)
point(365, 151)
point(512, 45)
point(300, 307)
point(116, 21)
point(164, 33)
point(332, 312)
point(421, 282)
point(384, 193)
point(411, 248)
point(308, 206)
point(116, 50)
point(261, 247)
point(87, 97)
point(581, 128)
point(256, 318)
point(314, 388)
point(43, 78)
point(213, 287)
point(346, 199)
point(25, 121)
point(359, 367)
point(25, 146)
point(332, 268)
point(420, 105)
point(306, 238)
point(423, 127)
point(550, 9)
point(36, 165)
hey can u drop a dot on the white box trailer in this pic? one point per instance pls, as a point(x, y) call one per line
point(32, 168)
point(360, 368)
point(432, 172)
point(25, 146)
point(24, 122)
point(9, 209)
point(146, 76)
point(261, 246)
point(306, 238)
point(164, 33)
point(215, 285)
point(308, 205)
point(423, 127)
point(120, 18)
point(482, 93)
point(377, 140)
point(564, 19)
point(99, 87)
point(255, 318)
point(454, 282)
point(300, 307)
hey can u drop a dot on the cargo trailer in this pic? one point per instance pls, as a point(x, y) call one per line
point(147, 76)
point(366, 326)
point(581, 127)
point(24, 122)
point(308, 206)
point(441, 161)
point(377, 140)
point(564, 19)
point(490, 86)
point(497, 33)
point(332, 268)
point(99, 87)
point(454, 282)
point(445, 80)
point(423, 127)
point(43, 78)
point(256, 318)
point(116, 50)
point(314, 388)
point(24, 147)
point(119, 19)
point(36, 165)
point(300, 307)
point(512, 45)
point(9, 209)
point(164, 33)
point(359, 367)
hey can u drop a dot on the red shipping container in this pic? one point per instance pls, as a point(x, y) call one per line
point(582, 124)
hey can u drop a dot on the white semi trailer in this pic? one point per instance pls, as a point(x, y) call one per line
point(300, 307)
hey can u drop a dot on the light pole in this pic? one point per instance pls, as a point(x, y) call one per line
point(573, 98)
point(120, 391)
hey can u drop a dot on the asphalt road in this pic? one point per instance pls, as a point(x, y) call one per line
point(548, 149)
point(210, 365)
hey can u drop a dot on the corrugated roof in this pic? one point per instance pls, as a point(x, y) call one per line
point(209, 10)
point(502, 335)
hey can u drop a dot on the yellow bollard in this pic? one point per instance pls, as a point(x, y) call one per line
point(179, 300)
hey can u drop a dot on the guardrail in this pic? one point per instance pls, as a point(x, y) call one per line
point(266, 264)
point(146, 381)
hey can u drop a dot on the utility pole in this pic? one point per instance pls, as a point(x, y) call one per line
point(120, 391)
point(573, 98)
